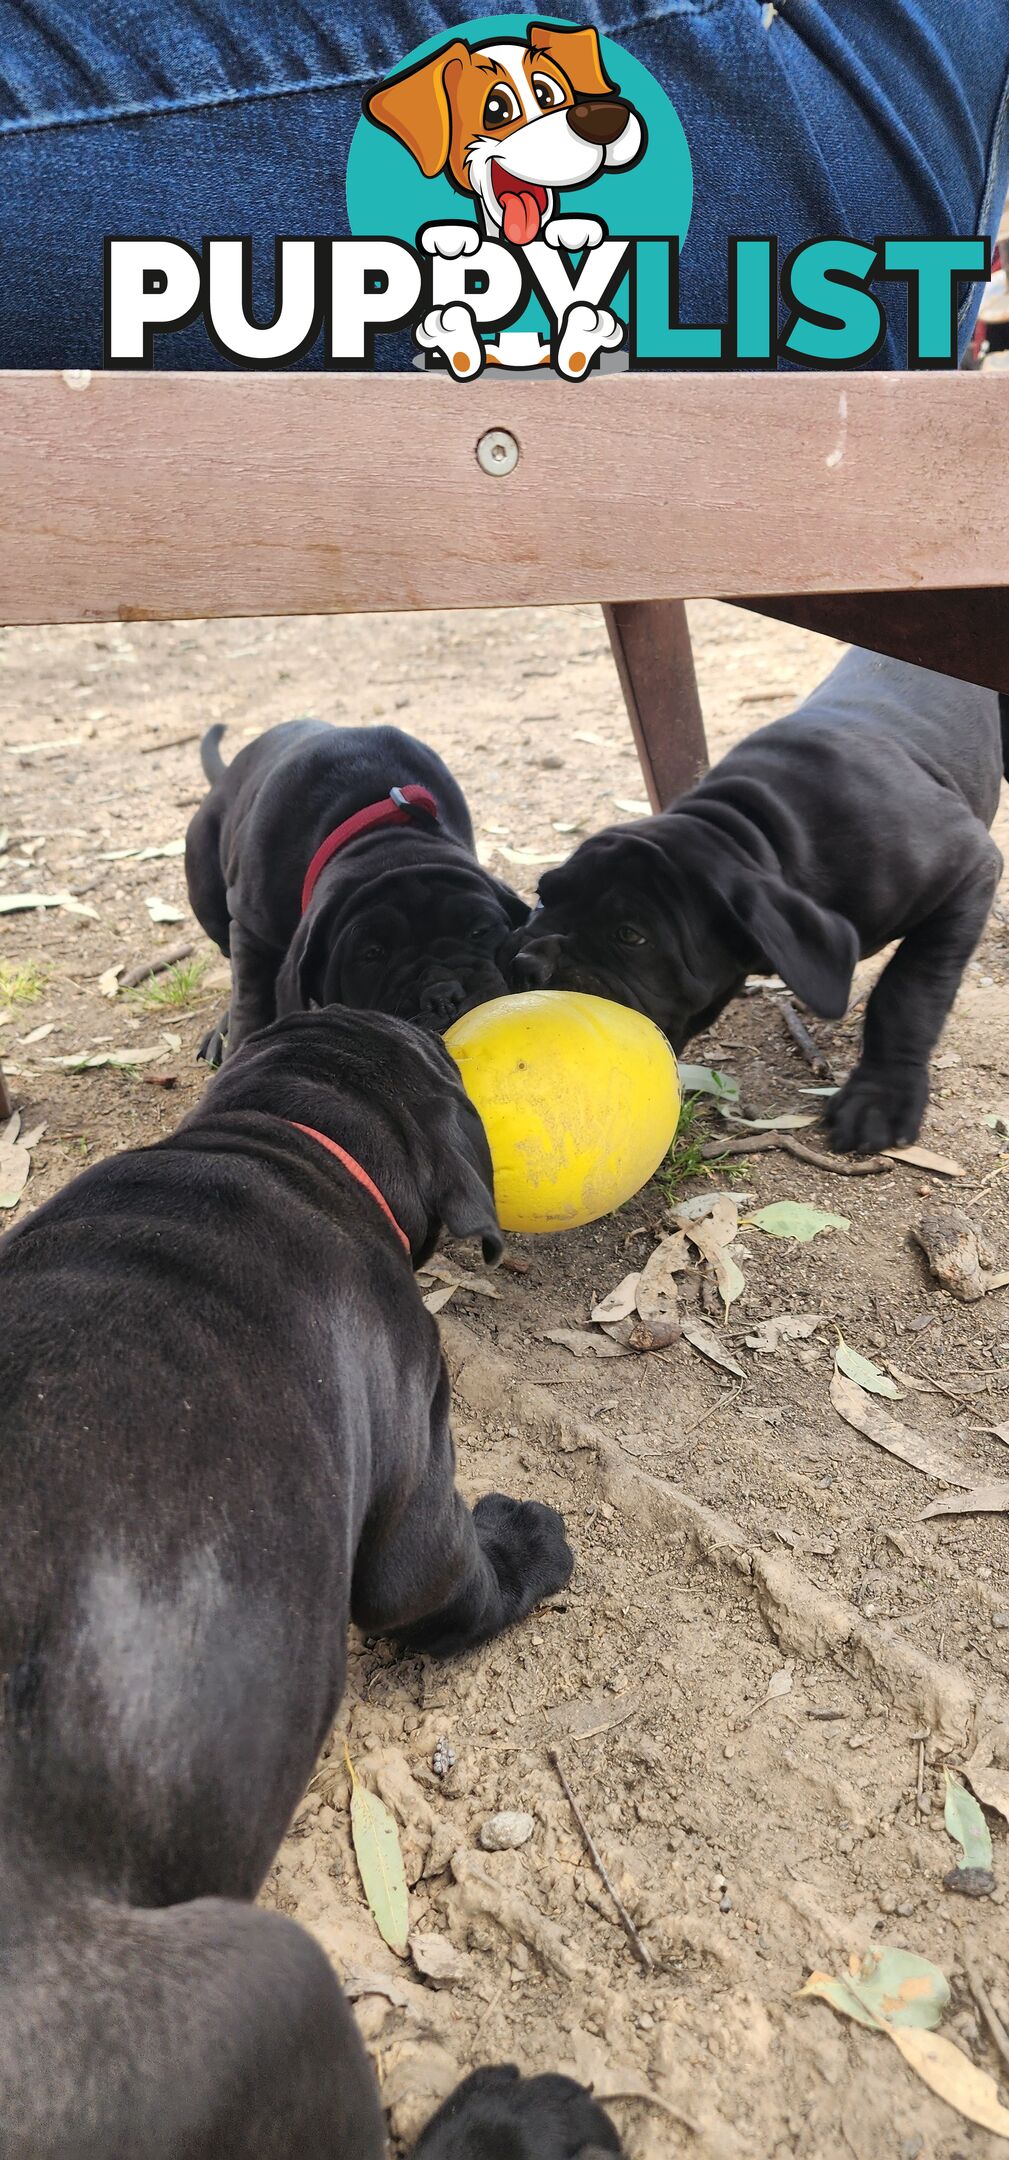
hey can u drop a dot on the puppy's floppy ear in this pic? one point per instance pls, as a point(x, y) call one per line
point(812, 948)
point(416, 108)
point(299, 981)
point(463, 1195)
point(577, 53)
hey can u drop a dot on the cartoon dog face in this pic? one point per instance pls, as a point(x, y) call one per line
point(512, 123)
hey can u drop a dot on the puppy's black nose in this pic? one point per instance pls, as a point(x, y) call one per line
point(599, 122)
point(533, 968)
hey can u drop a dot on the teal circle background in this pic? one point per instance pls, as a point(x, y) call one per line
point(387, 193)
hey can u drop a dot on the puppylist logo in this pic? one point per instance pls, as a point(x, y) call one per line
point(518, 195)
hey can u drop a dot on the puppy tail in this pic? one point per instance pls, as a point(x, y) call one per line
point(201, 2028)
point(210, 756)
point(1003, 713)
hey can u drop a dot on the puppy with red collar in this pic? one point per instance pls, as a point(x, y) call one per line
point(337, 866)
point(513, 123)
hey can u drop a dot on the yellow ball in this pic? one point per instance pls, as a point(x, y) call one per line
point(580, 1099)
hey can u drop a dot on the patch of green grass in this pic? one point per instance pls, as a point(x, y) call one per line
point(175, 989)
point(21, 983)
point(685, 1160)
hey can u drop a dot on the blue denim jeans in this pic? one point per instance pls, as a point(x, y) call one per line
point(191, 117)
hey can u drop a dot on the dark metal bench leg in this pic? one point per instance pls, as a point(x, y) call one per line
point(651, 646)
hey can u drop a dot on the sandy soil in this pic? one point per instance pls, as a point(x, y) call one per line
point(747, 1562)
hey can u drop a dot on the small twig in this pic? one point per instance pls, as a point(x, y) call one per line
point(986, 2006)
point(720, 1403)
point(650, 2099)
point(921, 1769)
point(641, 1952)
point(170, 742)
point(6, 1098)
point(157, 966)
point(841, 1165)
point(800, 1034)
point(827, 1717)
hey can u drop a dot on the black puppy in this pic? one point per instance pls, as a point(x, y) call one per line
point(336, 866)
point(225, 1433)
point(859, 819)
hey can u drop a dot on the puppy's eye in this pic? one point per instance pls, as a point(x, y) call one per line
point(372, 952)
point(629, 936)
point(482, 931)
point(547, 92)
point(501, 107)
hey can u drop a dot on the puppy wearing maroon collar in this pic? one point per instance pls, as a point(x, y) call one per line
point(336, 866)
point(225, 1434)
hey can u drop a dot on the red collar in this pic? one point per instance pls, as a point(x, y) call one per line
point(396, 808)
point(357, 1172)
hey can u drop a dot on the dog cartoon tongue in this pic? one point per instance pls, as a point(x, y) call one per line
point(521, 212)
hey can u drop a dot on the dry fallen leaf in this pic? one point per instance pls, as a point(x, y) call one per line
point(620, 1303)
point(792, 1219)
point(703, 1339)
point(15, 1166)
point(869, 1418)
point(922, 1158)
point(1001, 1432)
point(582, 1344)
point(460, 1280)
point(948, 2073)
point(990, 1784)
point(780, 1683)
point(713, 1233)
point(143, 854)
point(17, 903)
point(768, 1335)
point(984, 1500)
point(162, 911)
point(436, 1300)
point(93, 1060)
point(108, 983)
point(656, 1296)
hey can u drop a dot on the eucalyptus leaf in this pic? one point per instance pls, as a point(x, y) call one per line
point(380, 1864)
point(864, 1372)
point(792, 1219)
point(966, 1825)
point(703, 1080)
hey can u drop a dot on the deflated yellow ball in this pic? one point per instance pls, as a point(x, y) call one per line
point(580, 1099)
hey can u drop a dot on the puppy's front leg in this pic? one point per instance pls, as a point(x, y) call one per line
point(883, 1102)
point(442, 1578)
point(253, 987)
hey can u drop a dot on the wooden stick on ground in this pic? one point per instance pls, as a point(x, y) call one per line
point(800, 1034)
point(841, 1165)
point(986, 2006)
point(157, 966)
point(640, 1949)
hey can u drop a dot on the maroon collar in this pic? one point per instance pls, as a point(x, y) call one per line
point(396, 808)
point(356, 1171)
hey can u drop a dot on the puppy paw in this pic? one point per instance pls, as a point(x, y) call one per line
point(211, 1050)
point(541, 2118)
point(450, 241)
point(574, 233)
point(586, 331)
point(528, 1550)
point(875, 1110)
point(451, 331)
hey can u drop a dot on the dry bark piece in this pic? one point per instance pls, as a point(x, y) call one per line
point(958, 1254)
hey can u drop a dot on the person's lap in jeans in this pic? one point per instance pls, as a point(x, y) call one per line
point(194, 117)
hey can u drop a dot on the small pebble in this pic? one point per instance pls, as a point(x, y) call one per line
point(443, 1758)
point(502, 1833)
point(725, 1904)
point(905, 1908)
point(1000, 1620)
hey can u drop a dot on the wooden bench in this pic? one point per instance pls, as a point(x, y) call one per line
point(870, 506)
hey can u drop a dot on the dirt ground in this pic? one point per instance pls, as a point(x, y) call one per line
point(763, 1647)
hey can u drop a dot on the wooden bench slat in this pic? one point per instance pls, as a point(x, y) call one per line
point(174, 495)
